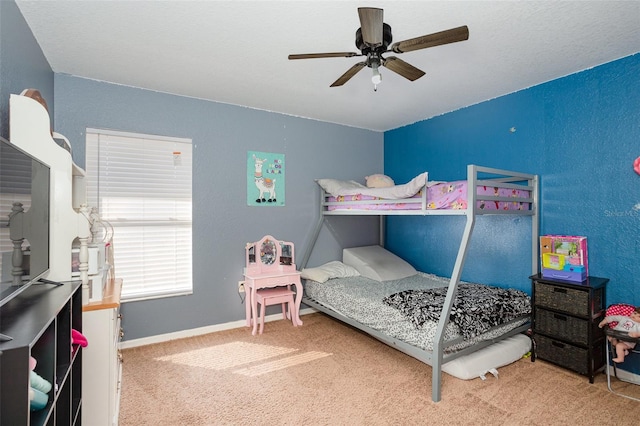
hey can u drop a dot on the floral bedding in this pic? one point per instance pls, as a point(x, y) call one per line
point(441, 195)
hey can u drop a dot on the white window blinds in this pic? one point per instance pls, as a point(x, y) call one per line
point(141, 184)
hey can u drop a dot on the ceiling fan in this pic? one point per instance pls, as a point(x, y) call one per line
point(373, 39)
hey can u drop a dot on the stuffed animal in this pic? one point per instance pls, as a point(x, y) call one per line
point(379, 181)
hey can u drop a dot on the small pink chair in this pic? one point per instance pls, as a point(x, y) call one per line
point(273, 296)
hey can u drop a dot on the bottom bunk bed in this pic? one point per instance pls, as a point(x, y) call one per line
point(375, 291)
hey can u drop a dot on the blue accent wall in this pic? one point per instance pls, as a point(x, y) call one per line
point(580, 134)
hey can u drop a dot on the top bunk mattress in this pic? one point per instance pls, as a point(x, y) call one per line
point(496, 192)
point(439, 196)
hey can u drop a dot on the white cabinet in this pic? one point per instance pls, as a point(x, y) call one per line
point(102, 361)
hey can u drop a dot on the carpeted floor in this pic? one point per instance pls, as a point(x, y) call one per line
point(326, 373)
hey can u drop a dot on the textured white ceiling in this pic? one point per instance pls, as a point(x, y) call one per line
point(235, 52)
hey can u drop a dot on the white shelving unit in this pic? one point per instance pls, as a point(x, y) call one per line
point(30, 130)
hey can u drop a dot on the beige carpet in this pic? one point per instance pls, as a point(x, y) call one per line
point(326, 373)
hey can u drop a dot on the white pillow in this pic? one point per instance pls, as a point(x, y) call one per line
point(337, 187)
point(377, 263)
point(487, 360)
point(335, 269)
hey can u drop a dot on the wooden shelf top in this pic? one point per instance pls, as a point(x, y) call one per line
point(111, 297)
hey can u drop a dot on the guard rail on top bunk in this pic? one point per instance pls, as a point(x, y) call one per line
point(476, 176)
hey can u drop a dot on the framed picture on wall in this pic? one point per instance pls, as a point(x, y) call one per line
point(265, 179)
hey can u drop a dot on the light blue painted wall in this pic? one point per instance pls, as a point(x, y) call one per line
point(22, 63)
point(222, 135)
point(222, 222)
point(580, 133)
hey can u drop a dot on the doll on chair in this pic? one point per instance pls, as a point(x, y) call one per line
point(629, 324)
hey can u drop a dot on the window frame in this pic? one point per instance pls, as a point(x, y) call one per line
point(152, 215)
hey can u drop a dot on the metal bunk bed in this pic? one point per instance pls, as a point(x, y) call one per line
point(476, 176)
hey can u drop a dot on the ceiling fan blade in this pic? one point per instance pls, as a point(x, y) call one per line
point(350, 73)
point(406, 70)
point(436, 39)
point(324, 55)
point(371, 25)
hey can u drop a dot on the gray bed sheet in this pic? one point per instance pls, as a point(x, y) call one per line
point(360, 299)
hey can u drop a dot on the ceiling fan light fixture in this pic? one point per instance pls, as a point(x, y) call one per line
point(376, 77)
point(373, 39)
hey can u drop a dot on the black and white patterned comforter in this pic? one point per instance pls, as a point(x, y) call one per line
point(361, 299)
point(476, 308)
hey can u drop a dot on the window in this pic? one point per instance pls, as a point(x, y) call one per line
point(141, 185)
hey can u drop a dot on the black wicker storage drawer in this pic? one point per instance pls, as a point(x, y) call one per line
point(562, 298)
point(573, 329)
point(563, 354)
point(565, 323)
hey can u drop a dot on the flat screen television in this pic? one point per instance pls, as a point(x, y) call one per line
point(25, 180)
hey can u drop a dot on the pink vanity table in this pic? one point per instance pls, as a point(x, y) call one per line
point(270, 263)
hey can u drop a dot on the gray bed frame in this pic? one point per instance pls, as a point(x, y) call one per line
point(476, 176)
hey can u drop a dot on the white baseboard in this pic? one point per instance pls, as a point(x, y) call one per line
point(199, 331)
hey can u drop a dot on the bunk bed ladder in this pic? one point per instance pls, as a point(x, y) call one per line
point(535, 226)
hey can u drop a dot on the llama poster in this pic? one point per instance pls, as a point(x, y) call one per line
point(265, 179)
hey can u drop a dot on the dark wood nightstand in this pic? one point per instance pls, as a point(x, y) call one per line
point(565, 318)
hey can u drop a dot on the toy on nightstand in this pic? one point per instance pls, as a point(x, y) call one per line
point(564, 257)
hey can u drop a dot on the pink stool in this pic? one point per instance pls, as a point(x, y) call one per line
point(273, 296)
